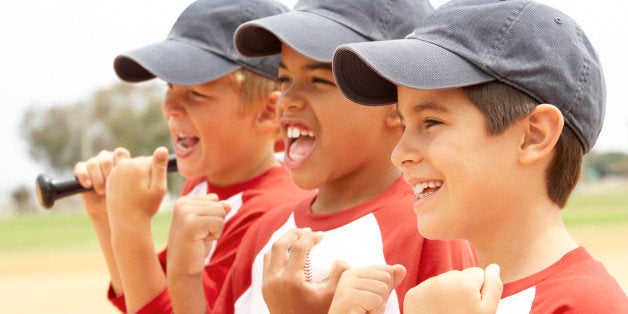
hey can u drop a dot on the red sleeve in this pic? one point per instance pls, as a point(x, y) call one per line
point(160, 304)
point(582, 296)
point(117, 301)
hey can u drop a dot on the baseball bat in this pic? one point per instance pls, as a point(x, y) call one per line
point(49, 190)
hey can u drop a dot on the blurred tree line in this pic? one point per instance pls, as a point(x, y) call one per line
point(129, 115)
point(599, 165)
point(126, 115)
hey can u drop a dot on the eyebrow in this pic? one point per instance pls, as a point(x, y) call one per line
point(318, 66)
point(311, 66)
point(429, 106)
point(425, 106)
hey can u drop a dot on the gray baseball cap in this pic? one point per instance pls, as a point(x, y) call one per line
point(199, 47)
point(530, 46)
point(315, 28)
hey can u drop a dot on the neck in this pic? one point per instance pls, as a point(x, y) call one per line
point(532, 242)
point(354, 189)
point(245, 170)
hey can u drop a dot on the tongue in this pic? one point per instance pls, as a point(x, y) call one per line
point(302, 146)
point(188, 141)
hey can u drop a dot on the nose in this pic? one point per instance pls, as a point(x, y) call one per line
point(406, 152)
point(173, 104)
point(290, 100)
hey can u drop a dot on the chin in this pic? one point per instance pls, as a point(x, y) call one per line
point(185, 172)
point(428, 233)
point(189, 169)
point(305, 180)
point(433, 230)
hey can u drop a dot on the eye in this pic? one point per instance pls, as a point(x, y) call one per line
point(283, 79)
point(429, 122)
point(318, 80)
point(198, 94)
point(403, 122)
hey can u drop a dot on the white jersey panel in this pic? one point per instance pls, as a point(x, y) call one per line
point(199, 189)
point(517, 303)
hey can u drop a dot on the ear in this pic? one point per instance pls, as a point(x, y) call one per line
point(267, 116)
point(392, 116)
point(542, 128)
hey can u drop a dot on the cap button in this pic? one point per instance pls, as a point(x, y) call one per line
point(558, 20)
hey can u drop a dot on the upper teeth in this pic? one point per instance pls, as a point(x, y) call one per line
point(295, 132)
point(418, 189)
point(182, 136)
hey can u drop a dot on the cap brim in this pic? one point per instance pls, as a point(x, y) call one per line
point(174, 62)
point(368, 73)
point(312, 35)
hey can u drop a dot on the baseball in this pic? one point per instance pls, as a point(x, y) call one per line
point(320, 260)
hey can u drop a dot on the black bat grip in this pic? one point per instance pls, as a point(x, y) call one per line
point(48, 190)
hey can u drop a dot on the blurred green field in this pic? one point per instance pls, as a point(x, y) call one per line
point(61, 231)
point(597, 207)
point(55, 231)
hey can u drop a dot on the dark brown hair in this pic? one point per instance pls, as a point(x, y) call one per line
point(503, 105)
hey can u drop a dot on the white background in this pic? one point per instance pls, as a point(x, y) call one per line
point(59, 52)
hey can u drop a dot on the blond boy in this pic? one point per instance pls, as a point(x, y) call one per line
point(220, 108)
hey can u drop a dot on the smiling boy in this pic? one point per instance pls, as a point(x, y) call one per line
point(362, 204)
point(220, 108)
point(499, 100)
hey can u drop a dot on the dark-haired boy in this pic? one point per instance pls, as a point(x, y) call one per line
point(500, 100)
point(362, 203)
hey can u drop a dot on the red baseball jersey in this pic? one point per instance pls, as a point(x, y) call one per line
point(249, 200)
point(575, 284)
point(380, 231)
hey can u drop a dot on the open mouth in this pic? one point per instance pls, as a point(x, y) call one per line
point(425, 189)
point(300, 142)
point(184, 142)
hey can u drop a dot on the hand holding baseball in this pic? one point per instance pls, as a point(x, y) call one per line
point(366, 289)
point(473, 290)
point(284, 284)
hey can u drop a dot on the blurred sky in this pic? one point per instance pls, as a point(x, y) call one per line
point(59, 52)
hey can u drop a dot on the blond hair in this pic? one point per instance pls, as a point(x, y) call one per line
point(254, 90)
point(252, 87)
